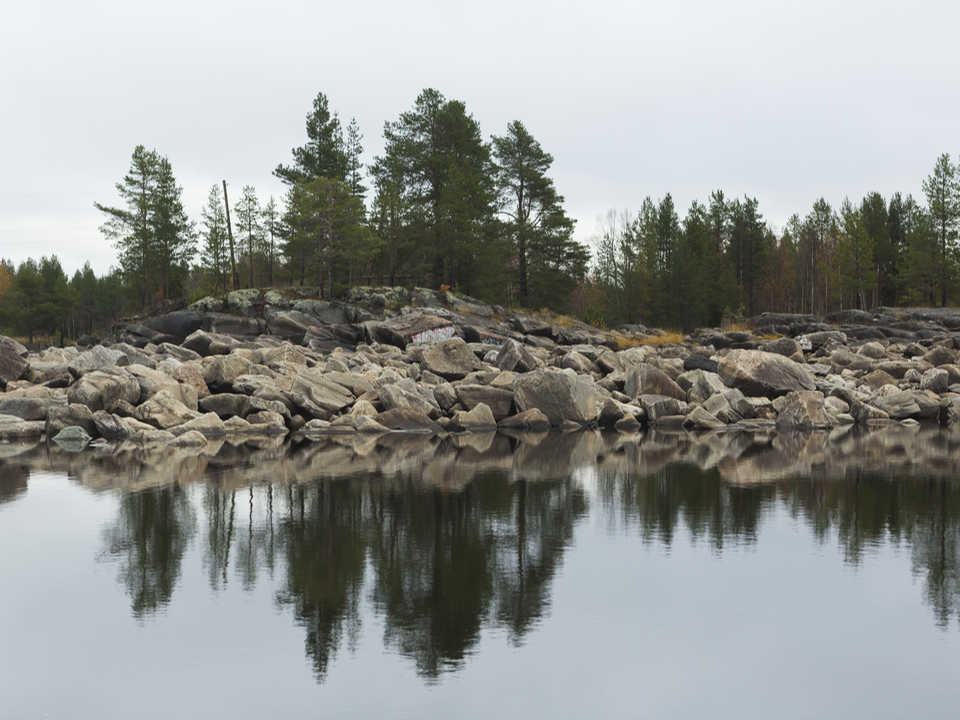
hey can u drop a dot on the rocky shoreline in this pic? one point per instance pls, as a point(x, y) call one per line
point(265, 365)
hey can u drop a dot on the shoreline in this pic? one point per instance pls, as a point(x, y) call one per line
point(262, 365)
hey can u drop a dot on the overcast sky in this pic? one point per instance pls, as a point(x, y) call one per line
point(782, 103)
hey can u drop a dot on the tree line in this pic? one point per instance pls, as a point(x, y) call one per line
point(447, 208)
point(722, 259)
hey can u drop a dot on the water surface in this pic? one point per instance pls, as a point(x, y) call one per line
point(747, 576)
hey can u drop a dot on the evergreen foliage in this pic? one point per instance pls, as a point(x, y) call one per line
point(154, 238)
point(485, 218)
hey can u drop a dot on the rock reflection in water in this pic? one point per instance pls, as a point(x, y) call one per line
point(450, 536)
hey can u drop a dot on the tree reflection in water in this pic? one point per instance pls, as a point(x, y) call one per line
point(446, 563)
point(149, 539)
point(449, 538)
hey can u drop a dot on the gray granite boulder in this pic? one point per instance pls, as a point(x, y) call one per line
point(803, 409)
point(97, 358)
point(479, 419)
point(164, 411)
point(498, 399)
point(318, 397)
point(757, 373)
point(645, 379)
point(69, 415)
point(451, 359)
point(562, 397)
point(100, 389)
point(13, 428)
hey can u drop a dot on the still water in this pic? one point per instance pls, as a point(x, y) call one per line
point(583, 575)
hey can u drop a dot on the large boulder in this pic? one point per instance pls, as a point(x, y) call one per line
point(329, 313)
point(412, 328)
point(164, 411)
point(700, 419)
point(244, 301)
point(191, 375)
point(404, 395)
point(532, 420)
point(531, 326)
point(100, 389)
point(815, 340)
point(14, 428)
point(112, 428)
point(153, 381)
point(224, 370)
point(700, 385)
point(68, 416)
point(241, 328)
point(97, 358)
point(759, 373)
point(407, 420)
point(224, 405)
point(645, 379)
point(803, 409)
point(560, 396)
point(498, 399)
point(318, 397)
point(514, 357)
point(30, 408)
point(326, 338)
point(478, 419)
point(899, 405)
point(291, 325)
point(451, 359)
point(935, 380)
point(176, 324)
point(206, 344)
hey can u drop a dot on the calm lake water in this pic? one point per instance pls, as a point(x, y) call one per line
point(579, 575)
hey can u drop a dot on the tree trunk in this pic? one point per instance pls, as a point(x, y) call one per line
point(233, 262)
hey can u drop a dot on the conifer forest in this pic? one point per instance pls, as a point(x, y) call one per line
point(445, 206)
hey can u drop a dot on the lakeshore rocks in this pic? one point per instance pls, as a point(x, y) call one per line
point(286, 363)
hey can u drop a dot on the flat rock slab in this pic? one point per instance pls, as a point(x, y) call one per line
point(413, 328)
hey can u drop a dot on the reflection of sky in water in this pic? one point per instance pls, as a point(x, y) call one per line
point(671, 594)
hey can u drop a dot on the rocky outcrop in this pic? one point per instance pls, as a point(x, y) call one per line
point(260, 365)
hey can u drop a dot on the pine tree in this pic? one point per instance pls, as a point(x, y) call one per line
point(539, 230)
point(855, 262)
point(152, 234)
point(438, 164)
point(942, 189)
point(354, 150)
point(324, 155)
point(214, 256)
point(250, 230)
point(271, 226)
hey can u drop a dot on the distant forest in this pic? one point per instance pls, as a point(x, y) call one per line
point(443, 207)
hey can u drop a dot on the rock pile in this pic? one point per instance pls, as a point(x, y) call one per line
point(455, 366)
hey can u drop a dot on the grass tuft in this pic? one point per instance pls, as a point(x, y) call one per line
point(668, 337)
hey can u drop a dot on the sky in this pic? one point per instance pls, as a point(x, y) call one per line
point(785, 103)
